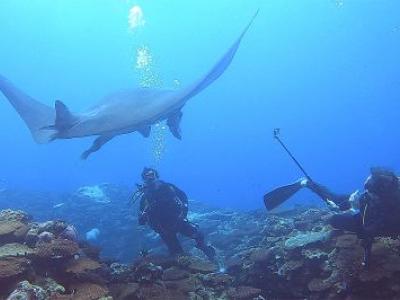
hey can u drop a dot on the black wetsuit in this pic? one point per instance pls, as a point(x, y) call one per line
point(164, 208)
point(377, 216)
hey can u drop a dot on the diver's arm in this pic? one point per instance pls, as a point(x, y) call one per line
point(341, 200)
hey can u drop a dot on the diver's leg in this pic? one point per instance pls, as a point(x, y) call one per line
point(353, 223)
point(97, 144)
point(172, 242)
point(192, 231)
point(347, 221)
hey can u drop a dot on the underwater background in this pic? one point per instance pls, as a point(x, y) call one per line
point(325, 72)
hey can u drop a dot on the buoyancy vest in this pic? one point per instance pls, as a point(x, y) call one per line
point(381, 214)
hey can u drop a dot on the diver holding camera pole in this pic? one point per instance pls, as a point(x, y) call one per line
point(372, 213)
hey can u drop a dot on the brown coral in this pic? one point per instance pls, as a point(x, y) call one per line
point(12, 269)
point(243, 293)
point(13, 266)
point(174, 273)
point(196, 265)
point(158, 292)
point(12, 231)
point(262, 255)
point(82, 266)
point(89, 291)
point(14, 215)
point(125, 291)
point(58, 248)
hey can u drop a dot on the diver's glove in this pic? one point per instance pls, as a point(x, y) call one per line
point(304, 182)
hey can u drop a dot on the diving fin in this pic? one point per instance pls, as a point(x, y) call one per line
point(173, 123)
point(279, 195)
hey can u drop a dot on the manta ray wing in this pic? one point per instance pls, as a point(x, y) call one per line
point(219, 68)
point(35, 114)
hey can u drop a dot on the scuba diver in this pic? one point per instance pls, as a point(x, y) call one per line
point(372, 213)
point(164, 208)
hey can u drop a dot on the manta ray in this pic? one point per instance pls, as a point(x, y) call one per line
point(134, 110)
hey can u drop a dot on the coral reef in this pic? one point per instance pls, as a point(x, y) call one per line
point(288, 255)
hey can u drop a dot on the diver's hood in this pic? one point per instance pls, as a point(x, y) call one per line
point(382, 182)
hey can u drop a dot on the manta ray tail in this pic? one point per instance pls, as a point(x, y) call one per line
point(35, 114)
point(220, 67)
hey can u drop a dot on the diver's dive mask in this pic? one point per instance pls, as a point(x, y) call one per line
point(149, 175)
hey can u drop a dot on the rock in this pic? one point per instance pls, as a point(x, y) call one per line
point(152, 291)
point(319, 285)
point(243, 293)
point(196, 264)
point(12, 231)
point(217, 280)
point(89, 291)
point(262, 255)
point(55, 227)
point(126, 291)
point(15, 249)
point(148, 272)
point(28, 291)
point(120, 272)
point(32, 236)
point(234, 264)
point(83, 267)
point(45, 237)
point(13, 267)
point(14, 215)
point(306, 238)
point(289, 267)
point(69, 233)
point(57, 249)
point(51, 286)
point(190, 284)
point(315, 255)
point(174, 273)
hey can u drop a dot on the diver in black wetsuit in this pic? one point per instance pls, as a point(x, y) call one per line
point(373, 213)
point(164, 208)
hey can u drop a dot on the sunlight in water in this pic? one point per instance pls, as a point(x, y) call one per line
point(135, 17)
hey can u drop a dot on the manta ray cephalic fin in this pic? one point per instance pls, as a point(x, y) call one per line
point(145, 130)
point(96, 146)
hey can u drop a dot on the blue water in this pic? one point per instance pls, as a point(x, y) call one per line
point(326, 72)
